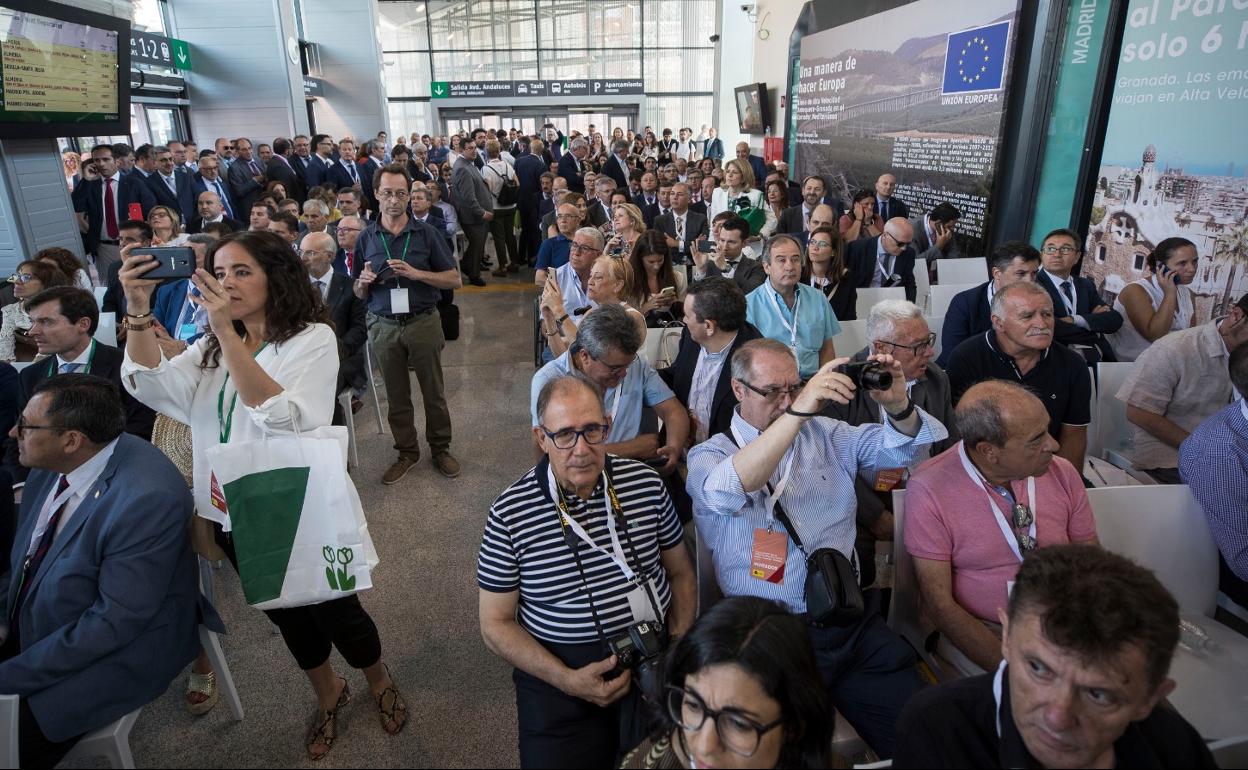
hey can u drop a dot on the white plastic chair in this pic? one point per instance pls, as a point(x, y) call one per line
point(1163, 528)
point(8, 732)
point(922, 282)
point(868, 297)
point(966, 270)
point(353, 452)
point(211, 642)
point(106, 329)
point(943, 294)
point(904, 616)
point(369, 357)
point(937, 325)
point(1111, 432)
point(853, 337)
point(99, 292)
point(704, 566)
point(112, 742)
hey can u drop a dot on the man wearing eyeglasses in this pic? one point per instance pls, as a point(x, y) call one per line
point(1083, 318)
point(896, 328)
point(555, 252)
point(884, 261)
point(779, 452)
point(976, 510)
point(582, 547)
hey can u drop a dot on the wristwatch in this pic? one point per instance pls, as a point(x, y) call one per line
point(904, 413)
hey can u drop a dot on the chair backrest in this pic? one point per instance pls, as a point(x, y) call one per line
point(868, 297)
point(8, 732)
point(1163, 528)
point(922, 282)
point(106, 329)
point(943, 294)
point(853, 337)
point(903, 610)
point(965, 270)
point(937, 325)
point(1230, 752)
point(1110, 428)
point(99, 292)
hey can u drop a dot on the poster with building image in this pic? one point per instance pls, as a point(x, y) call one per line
point(920, 91)
point(1176, 150)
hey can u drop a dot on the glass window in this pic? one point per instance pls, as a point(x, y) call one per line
point(484, 65)
point(456, 24)
point(402, 26)
point(676, 111)
point(670, 70)
point(578, 24)
point(406, 74)
point(679, 23)
point(406, 117)
point(161, 125)
point(568, 64)
point(149, 16)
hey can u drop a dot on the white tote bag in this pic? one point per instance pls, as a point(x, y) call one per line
point(298, 525)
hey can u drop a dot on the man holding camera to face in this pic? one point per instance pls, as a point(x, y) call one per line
point(584, 580)
point(773, 497)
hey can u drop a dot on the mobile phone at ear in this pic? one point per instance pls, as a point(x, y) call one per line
point(172, 262)
point(135, 212)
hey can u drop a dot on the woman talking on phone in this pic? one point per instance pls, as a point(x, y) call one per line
point(1158, 303)
point(268, 365)
point(861, 220)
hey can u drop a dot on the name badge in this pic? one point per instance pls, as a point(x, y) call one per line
point(186, 331)
point(887, 479)
point(768, 556)
point(639, 604)
point(398, 302)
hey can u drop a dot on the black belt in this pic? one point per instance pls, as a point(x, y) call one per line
point(400, 318)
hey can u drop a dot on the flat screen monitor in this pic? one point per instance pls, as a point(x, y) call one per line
point(63, 71)
point(753, 112)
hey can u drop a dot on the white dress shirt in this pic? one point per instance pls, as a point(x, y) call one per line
point(80, 479)
point(324, 280)
point(702, 389)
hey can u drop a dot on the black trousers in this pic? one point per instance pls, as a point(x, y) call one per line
point(311, 632)
point(503, 230)
point(530, 235)
point(560, 731)
point(35, 750)
point(475, 255)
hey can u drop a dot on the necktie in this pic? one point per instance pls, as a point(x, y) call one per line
point(70, 368)
point(41, 550)
point(255, 167)
point(680, 230)
point(110, 210)
point(355, 176)
point(884, 210)
point(350, 257)
point(805, 219)
point(320, 288)
point(229, 210)
point(173, 185)
point(1070, 297)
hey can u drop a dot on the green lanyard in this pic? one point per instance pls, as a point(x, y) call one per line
point(225, 422)
point(53, 369)
point(386, 245)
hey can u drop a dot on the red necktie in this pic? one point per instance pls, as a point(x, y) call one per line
point(110, 212)
point(41, 550)
point(350, 263)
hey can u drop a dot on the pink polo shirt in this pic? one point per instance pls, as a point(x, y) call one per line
point(949, 518)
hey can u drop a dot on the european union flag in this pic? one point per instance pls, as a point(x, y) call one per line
point(975, 59)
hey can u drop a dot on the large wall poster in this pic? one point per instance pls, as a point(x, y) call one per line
point(920, 91)
point(1176, 150)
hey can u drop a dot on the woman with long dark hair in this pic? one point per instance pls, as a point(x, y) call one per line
point(656, 285)
point(741, 689)
point(268, 365)
point(861, 221)
point(1158, 303)
point(826, 270)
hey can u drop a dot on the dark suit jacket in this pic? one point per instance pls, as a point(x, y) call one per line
point(105, 364)
point(1086, 300)
point(567, 170)
point(759, 167)
point(860, 258)
point(302, 174)
point(969, 315)
point(698, 206)
point(278, 171)
point(243, 187)
point(896, 208)
point(198, 185)
point(714, 149)
point(10, 408)
point(679, 377)
point(339, 178)
point(611, 167)
point(529, 170)
point(791, 221)
point(318, 171)
point(544, 205)
point(183, 202)
point(348, 312)
point(696, 228)
point(748, 276)
point(649, 212)
point(197, 225)
point(110, 616)
point(924, 248)
point(88, 198)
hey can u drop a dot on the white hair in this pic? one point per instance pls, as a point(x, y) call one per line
point(578, 142)
point(318, 204)
point(885, 315)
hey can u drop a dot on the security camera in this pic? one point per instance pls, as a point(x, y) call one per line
point(714, 38)
point(749, 7)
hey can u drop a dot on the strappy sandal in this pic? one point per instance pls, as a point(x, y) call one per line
point(396, 713)
point(325, 725)
point(203, 684)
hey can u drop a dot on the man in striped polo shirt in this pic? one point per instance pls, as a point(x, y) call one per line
point(582, 547)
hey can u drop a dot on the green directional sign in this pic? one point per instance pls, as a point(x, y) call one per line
point(181, 53)
point(440, 89)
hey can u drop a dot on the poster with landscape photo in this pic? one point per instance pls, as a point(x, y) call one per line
point(920, 91)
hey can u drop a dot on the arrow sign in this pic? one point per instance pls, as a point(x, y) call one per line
point(181, 53)
point(439, 89)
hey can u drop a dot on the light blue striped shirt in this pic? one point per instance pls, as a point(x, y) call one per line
point(819, 498)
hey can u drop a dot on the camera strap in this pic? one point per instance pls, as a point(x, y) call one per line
point(773, 495)
point(791, 328)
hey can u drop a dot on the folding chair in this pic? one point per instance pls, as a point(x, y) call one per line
point(943, 294)
point(867, 298)
point(972, 270)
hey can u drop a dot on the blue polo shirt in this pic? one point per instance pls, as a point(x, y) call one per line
point(554, 252)
point(426, 250)
point(815, 323)
point(642, 386)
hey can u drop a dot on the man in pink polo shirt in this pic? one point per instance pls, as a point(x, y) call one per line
point(974, 511)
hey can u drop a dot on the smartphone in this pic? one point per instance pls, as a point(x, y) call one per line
point(668, 291)
point(135, 212)
point(656, 462)
point(382, 271)
point(706, 246)
point(172, 262)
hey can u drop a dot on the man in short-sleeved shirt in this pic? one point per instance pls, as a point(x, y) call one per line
point(961, 504)
point(790, 312)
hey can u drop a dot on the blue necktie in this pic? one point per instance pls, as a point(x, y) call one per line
point(70, 368)
point(229, 212)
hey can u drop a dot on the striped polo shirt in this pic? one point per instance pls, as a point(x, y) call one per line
point(524, 549)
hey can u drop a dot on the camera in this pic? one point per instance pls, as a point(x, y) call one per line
point(743, 202)
point(748, 7)
point(870, 375)
point(714, 38)
point(639, 648)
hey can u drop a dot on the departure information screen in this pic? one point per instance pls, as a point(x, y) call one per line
point(56, 71)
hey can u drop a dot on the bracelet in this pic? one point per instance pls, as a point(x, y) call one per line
point(139, 316)
point(796, 413)
point(138, 327)
point(904, 413)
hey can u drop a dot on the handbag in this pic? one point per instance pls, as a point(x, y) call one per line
point(754, 216)
point(448, 314)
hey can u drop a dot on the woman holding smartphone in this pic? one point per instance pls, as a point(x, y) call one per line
point(861, 221)
point(1158, 303)
point(656, 284)
point(268, 365)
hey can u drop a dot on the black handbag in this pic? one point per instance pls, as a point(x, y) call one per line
point(833, 596)
point(448, 312)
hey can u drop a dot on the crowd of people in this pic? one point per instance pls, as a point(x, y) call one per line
point(757, 454)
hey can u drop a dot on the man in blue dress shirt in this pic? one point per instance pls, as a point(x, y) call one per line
point(795, 314)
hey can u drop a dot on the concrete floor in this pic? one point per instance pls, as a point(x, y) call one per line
point(427, 529)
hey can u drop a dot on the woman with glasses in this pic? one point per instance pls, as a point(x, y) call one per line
point(32, 277)
point(827, 272)
point(861, 220)
point(741, 689)
point(628, 224)
point(656, 286)
point(65, 261)
point(608, 278)
point(166, 227)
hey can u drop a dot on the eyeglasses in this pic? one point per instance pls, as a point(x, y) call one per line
point(615, 369)
point(581, 248)
point(737, 732)
point(565, 217)
point(23, 426)
point(342, 229)
point(567, 438)
point(21, 278)
point(773, 394)
point(399, 195)
point(821, 243)
point(1065, 251)
point(900, 244)
point(918, 348)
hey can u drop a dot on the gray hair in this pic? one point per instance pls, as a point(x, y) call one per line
point(607, 328)
point(782, 238)
point(158, 149)
point(204, 239)
point(980, 415)
point(886, 314)
point(318, 204)
point(355, 219)
point(1021, 287)
point(621, 144)
point(743, 359)
point(605, 182)
point(577, 143)
point(562, 384)
point(593, 233)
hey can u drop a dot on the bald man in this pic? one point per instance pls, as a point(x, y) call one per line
point(210, 210)
point(885, 261)
point(971, 515)
point(887, 206)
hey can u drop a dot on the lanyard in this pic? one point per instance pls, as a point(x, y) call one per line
point(1002, 519)
point(616, 554)
point(886, 273)
point(791, 328)
point(996, 693)
point(52, 508)
point(773, 494)
point(615, 403)
point(386, 245)
point(54, 369)
point(225, 422)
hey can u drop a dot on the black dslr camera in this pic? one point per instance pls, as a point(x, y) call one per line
point(638, 647)
point(867, 374)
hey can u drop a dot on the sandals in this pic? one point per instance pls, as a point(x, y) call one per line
point(206, 685)
point(325, 725)
point(396, 712)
